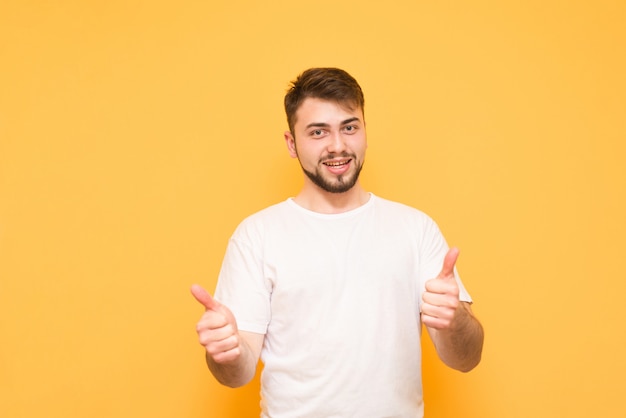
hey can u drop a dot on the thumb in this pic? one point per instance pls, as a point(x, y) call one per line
point(204, 297)
point(448, 263)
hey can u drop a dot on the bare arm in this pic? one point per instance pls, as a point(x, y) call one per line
point(460, 345)
point(457, 334)
point(231, 355)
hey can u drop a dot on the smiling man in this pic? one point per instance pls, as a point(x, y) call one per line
point(330, 288)
point(330, 147)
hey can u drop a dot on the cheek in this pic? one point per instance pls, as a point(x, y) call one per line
point(360, 146)
point(310, 149)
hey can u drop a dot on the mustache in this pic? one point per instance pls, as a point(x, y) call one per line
point(332, 156)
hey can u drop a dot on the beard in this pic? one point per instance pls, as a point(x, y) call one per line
point(340, 184)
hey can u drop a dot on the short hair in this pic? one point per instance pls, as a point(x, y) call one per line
point(331, 84)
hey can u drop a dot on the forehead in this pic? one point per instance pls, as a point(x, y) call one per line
point(314, 110)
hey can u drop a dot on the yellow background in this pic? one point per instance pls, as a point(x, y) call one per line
point(135, 135)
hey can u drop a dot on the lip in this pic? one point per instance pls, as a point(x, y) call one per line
point(338, 166)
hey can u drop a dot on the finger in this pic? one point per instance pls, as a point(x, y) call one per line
point(447, 296)
point(226, 356)
point(435, 322)
point(211, 320)
point(204, 297)
point(448, 263)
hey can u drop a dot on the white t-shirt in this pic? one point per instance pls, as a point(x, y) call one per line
point(338, 298)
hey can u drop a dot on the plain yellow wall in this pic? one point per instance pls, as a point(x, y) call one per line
point(135, 135)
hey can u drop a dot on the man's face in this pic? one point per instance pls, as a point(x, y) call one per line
point(329, 140)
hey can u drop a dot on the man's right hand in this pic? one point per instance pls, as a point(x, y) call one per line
point(217, 329)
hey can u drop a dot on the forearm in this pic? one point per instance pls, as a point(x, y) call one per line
point(460, 345)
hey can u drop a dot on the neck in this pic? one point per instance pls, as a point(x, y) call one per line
point(315, 199)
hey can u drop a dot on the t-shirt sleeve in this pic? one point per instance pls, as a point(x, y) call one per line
point(433, 250)
point(241, 285)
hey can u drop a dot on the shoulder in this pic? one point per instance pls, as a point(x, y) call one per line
point(392, 208)
point(403, 218)
point(277, 210)
point(268, 217)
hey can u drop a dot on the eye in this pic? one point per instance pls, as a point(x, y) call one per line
point(317, 133)
point(350, 129)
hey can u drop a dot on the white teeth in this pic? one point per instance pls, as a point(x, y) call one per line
point(336, 164)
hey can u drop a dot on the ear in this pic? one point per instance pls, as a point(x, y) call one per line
point(290, 140)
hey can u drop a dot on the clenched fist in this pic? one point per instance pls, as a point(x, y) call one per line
point(441, 297)
point(217, 328)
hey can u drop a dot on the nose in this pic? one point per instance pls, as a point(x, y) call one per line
point(337, 143)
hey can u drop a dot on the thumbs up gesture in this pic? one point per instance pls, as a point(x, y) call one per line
point(217, 328)
point(441, 297)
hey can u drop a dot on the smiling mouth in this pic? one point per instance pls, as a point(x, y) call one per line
point(336, 163)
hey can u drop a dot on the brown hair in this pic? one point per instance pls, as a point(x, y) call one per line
point(331, 84)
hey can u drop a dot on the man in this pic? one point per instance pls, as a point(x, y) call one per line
point(330, 288)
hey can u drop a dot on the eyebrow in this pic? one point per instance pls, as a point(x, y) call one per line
point(326, 125)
